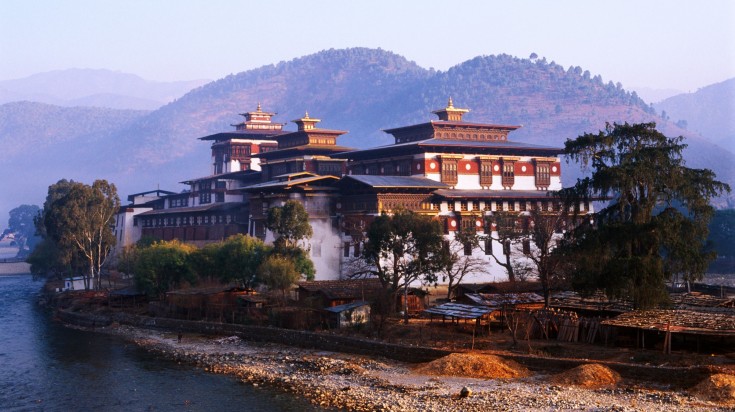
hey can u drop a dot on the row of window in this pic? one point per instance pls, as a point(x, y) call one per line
point(521, 206)
point(185, 221)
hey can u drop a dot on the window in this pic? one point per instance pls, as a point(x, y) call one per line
point(542, 175)
point(330, 168)
point(508, 174)
point(219, 197)
point(486, 173)
point(205, 197)
point(468, 249)
point(449, 171)
point(467, 224)
point(178, 202)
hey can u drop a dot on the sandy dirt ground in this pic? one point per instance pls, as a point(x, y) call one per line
point(359, 383)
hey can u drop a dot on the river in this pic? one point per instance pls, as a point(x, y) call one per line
point(45, 366)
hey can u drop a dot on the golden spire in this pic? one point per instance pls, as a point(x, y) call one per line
point(451, 113)
point(258, 109)
point(306, 122)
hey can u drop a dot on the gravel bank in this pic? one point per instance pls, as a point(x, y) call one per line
point(360, 383)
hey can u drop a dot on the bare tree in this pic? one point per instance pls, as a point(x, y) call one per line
point(541, 231)
point(458, 260)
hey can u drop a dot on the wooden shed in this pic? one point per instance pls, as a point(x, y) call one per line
point(329, 293)
point(350, 314)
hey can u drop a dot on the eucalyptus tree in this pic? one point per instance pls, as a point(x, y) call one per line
point(77, 219)
point(655, 225)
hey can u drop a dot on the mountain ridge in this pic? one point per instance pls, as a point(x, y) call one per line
point(359, 90)
point(100, 87)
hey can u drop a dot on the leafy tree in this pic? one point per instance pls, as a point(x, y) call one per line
point(301, 260)
point(163, 266)
point(21, 223)
point(456, 263)
point(290, 223)
point(400, 249)
point(207, 261)
point(655, 225)
point(77, 219)
point(239, 258)
point(278, 273)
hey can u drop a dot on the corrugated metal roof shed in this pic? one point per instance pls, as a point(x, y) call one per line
point(458, 310)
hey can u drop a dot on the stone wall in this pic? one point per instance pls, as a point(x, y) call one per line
point(303, 339)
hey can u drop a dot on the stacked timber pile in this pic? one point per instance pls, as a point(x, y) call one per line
point(699, 301)
point(677, 321)
point(474, 366)
point(591, 375)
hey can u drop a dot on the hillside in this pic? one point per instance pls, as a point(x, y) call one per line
point(94, 87)
point(710, 111)
point(359, 90)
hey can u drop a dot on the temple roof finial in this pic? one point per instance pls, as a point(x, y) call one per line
point(306, 122)
point(258, 109)
point(450, 113)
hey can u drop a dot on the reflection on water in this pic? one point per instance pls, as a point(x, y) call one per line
point(47, 367)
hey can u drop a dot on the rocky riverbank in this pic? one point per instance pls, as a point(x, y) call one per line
point(359, 383)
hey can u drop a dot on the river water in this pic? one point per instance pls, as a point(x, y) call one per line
point(45, 366)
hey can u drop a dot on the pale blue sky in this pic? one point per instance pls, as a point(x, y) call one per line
point(674, 44)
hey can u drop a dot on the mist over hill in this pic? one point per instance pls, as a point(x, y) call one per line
point(359, 90)
point(710, 111)
point(94, 87)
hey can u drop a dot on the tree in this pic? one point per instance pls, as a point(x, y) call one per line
point(457, 263)
point(655, 225)
point(400, 249)
point(290, 223)
point(239, 258)
point(78, 219)
point(278, 273)
point(21, 224)
point(163, 266)
point(504, 228)
point(542, 231)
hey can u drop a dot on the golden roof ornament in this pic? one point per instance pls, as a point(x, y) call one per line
point(450, 113)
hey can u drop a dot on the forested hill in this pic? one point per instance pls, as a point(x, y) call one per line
point(359, 90)
point(366, 90)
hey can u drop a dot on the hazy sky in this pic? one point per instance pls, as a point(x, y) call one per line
point(673, 44)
